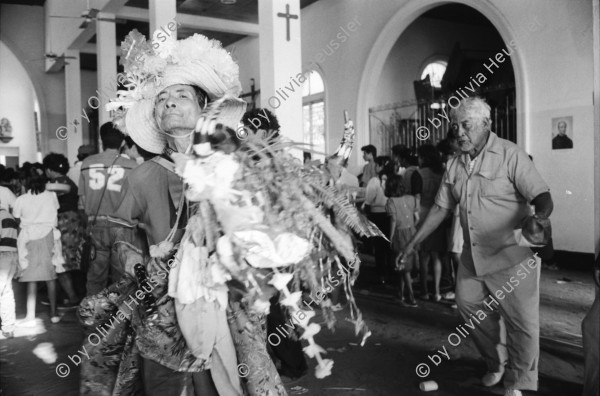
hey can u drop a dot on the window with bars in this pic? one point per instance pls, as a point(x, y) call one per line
point(313, 109)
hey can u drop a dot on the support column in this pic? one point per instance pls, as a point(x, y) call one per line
point(106, 39)
point(280, 57)
point(162, 12)
point(596, 101)
point(73, 136)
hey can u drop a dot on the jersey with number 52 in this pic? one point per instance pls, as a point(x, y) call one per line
point(99, 172)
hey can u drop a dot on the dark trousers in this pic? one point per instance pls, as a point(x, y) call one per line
point(106, 264)
point(381, 247)
point(447, 280)
point(288, 351)
point(162, 381)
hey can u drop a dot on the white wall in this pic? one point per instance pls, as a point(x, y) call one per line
point(554, 68)
point(246, 52)
point(17, 100)
point(22, 30)
point(559, 69)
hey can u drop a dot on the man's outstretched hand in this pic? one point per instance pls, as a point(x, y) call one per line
point(407, 251)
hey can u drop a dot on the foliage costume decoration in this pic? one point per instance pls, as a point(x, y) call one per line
point(271, 225)
point(257, 221)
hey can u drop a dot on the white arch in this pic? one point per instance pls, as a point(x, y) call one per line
point(37, 87)
point(394, 29)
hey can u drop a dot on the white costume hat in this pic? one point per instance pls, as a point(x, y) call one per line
point(150, 68)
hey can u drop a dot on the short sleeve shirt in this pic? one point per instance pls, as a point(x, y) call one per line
point(374, 195)
point(150, 198)
point(493, 201)
point(7, 198)
point(39, 208)
point(105, 170)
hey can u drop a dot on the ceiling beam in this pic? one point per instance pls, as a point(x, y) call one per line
point(113, 6)
point(55, 65)
point(84, 36)
point(195, 22)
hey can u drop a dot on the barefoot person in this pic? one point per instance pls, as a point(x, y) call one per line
point(493, 181)
point(38, 244)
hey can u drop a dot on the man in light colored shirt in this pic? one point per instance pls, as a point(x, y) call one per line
point(493, 181)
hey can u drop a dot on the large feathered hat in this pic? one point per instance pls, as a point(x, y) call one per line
point(153, 66)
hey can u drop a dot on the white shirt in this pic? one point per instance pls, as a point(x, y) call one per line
point(40, 209)
point(74, 172)
point(7, 198)
point(347, 179)
point(374, 196)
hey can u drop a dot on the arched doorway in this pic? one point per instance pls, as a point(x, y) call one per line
point(20, 112)
point(397, 25)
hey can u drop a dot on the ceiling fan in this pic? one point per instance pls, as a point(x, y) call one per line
point(89, 15)
point(53, 56)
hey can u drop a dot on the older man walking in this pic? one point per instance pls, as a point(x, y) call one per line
point(497, 289)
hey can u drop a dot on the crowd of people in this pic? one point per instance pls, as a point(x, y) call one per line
point(451, 207)
point(48, 209)
point(45, 221)
point(396, 192)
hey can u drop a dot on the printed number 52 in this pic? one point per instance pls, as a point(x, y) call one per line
point(97, 178)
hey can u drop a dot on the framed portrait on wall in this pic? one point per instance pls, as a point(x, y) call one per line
point(562, 133)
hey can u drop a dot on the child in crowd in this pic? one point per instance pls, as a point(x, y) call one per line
point(8, 268)
point(404, 213)
point(39, 247)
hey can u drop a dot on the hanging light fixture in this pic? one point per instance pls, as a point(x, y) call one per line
point(228, 2)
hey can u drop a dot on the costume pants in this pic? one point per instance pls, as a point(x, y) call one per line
point(591, 345)
point(509, 334)
point(162, 381)
point(8, 268)
point(104, 235)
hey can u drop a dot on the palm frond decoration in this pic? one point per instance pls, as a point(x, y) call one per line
point(281, 226)
point(346, 211)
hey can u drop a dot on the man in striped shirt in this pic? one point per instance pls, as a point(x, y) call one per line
point(8, 269)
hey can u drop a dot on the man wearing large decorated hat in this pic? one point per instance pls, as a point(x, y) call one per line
point(168, 89)
point(242, 222)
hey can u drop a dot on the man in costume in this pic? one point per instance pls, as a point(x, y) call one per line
point(161, 120)
point(183, 318)
point(494, 181)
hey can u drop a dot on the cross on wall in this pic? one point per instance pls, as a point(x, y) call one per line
point(287, 16)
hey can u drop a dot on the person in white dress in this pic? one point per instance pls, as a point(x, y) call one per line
point(38, 243)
